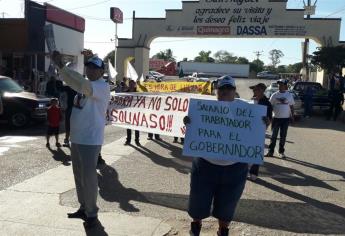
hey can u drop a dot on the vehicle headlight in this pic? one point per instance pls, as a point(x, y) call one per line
point(41, 105)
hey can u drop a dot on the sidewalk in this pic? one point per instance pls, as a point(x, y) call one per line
point(33, 206)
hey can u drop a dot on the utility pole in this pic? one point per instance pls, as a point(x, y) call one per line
point(258, 54)
point(306, 43)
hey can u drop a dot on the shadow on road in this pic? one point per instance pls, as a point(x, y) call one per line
point(61, 156)
point(320, 123)
point(112, 190)
point(292, 177)
point(317, 167)
point(307, 215)
point(167, 162)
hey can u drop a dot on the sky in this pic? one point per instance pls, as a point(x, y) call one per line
point(100, 29)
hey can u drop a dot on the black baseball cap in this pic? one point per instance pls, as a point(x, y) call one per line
point(259, 85)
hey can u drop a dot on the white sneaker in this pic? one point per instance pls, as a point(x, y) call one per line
point(282, 155)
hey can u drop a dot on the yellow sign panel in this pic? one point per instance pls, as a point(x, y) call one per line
point(180, 86)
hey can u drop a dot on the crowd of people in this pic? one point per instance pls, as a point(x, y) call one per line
point(216, 185)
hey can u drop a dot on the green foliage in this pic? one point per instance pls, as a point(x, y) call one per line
point(257, 66)
point(223, 56)
point(204, 57)
point(166, 55)
point(331, 59)
point(275, 56)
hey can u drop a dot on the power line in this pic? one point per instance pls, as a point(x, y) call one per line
point(336, 12)
point(258, 54)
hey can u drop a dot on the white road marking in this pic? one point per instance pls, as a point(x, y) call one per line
point(8, 142)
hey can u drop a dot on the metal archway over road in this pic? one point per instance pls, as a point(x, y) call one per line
point(225, 19)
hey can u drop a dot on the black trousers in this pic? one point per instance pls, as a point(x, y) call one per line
point(334, 110)
point(129, 135)
point(282, 125)
point(150, 135)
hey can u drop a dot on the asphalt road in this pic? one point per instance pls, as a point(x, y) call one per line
point(303, 194)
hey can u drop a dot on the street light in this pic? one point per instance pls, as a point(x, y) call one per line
point(116, 16)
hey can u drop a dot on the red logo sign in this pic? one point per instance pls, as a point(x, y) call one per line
point(213, 30)
point(116, 15)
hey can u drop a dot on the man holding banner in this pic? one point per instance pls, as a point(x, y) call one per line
point(214, 180)
point(87, 131)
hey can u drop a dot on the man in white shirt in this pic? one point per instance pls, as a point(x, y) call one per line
point(87, 131)
point(282, 102)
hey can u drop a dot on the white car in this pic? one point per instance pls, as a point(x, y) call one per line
point(156, 75)
point(273, 86)
point(267, 75)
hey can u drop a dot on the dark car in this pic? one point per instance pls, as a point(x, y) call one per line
point(20, 107)
point(320, 97)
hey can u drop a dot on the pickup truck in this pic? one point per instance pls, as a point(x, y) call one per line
point(320, 98)
point(20, 107)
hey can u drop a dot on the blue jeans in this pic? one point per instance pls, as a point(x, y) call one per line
point(221, 186)
point(282, 125)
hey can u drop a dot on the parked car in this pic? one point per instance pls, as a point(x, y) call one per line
point(274, 86)
point(156, 76)
point(320, 98)
point(298, 107)
point(20, 107)
point(267, 75)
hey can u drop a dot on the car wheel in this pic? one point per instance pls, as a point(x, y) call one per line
point(19, 120)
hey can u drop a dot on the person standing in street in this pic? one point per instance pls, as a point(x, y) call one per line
point(216, 184)
point(308, 101)
point(132, 88)
point(336, 97)
point(87, 132)
point(54, 119)
point(260, 99)
point(70, 94)
point(282, 102)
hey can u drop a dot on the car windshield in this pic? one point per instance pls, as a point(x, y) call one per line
point(8, 85)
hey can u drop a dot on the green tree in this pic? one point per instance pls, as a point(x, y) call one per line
point(257, 66)
point(242, 60)
point(294, 68)
point(281, 69)
point(275, 56)
point(204, 57)
point(166, 55)
point(223, 56)
point(331, 59)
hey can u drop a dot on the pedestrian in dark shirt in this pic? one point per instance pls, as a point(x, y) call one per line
point(260, 99)
point(131, 89)
point(68, 112)
point(51, 90)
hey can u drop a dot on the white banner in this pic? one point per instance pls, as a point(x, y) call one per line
point(131, 72)
point(151, 112)
point(112, 72)
point(232, 131)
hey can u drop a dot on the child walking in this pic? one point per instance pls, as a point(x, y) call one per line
point(54, 118)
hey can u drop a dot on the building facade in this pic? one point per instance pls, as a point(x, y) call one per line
point(24, 55)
